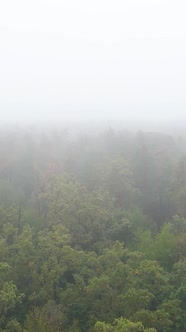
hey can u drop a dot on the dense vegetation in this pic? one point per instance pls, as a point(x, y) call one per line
point(92, 232)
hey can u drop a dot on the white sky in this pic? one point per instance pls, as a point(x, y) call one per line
point(92, 60)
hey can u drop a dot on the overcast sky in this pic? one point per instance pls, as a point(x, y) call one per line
point(92, 60)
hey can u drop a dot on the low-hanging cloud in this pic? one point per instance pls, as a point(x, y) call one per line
point(97, 60)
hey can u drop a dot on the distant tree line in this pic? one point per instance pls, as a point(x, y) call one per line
point(92, 232)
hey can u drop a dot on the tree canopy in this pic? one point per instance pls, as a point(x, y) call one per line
point(92, 232)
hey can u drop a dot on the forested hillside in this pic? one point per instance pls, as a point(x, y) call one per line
point(92, 231)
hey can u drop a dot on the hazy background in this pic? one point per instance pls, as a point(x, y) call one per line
point(101, 60)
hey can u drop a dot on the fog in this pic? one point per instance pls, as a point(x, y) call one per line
point(90, 62)
point(93, 165)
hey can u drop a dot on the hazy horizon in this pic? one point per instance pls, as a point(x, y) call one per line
point(104, 61)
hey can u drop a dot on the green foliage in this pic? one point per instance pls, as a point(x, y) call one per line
point(92, 233)
point(161, 248)
point(121, 325)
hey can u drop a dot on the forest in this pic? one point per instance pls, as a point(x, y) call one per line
point(92, 231)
